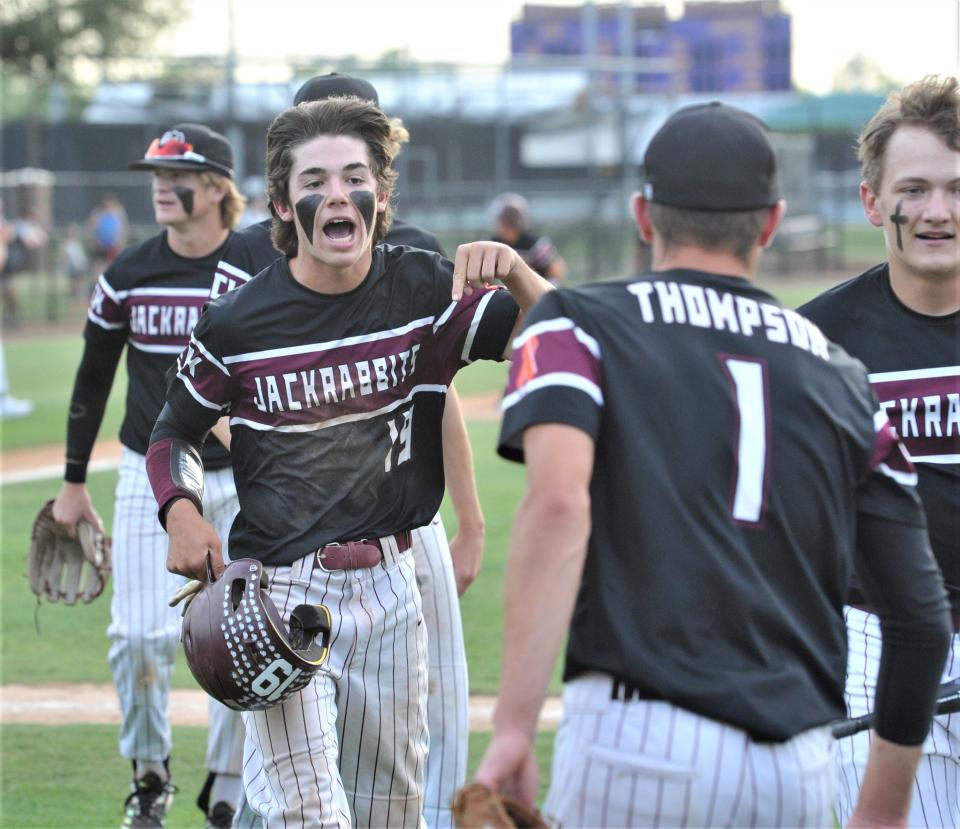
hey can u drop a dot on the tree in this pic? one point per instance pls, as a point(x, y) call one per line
point(861, 74)
point(44, 37)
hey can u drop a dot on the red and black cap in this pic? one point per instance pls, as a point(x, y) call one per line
point(334, 85)
point(711, 157)
point(188, 147)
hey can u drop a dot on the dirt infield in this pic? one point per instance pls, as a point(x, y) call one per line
point(47, 461)
point(97, 704)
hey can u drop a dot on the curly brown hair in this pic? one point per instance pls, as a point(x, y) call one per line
point(333, 116)
point(932, 103)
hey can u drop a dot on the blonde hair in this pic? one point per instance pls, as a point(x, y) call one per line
point(233, 202)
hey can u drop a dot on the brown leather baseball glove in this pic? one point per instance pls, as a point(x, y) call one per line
point(477, 807)
point(63, 568)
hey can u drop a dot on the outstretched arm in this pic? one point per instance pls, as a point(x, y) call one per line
point(466, 548)
point(479, 264)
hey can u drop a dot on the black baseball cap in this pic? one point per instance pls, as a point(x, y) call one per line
point(333, 85)
point(711, 157)
point(188, 147)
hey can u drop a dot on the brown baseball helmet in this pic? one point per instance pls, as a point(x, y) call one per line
point(237, 646)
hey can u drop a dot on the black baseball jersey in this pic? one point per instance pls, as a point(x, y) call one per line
point(335, 400)
point(537, 251)
point(149, 299)
point(730, 438)
point(914, 365)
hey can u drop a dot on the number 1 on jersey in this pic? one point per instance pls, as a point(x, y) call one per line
point(749, 385)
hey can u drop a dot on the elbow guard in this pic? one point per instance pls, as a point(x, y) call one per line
point(175, 471)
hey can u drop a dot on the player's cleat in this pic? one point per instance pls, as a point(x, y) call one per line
point(148, 803)
point(221, 816)
point(12, 407)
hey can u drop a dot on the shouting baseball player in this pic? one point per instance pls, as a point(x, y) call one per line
point(332, 366)
point(443, 571)
point(902, 319)
point(699, 463)
point(149, 299)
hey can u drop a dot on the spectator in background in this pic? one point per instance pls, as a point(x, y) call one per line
point(511, 214)
point(9, 406)
point(21, 239)
point(73, 259)
point(107, 229)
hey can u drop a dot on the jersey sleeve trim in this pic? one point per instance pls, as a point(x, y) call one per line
point(474, 326)
point(889, 455)
point(442, 319)
point(234, 271)
point(206, 353)
point(209, 404)
point(559, 324)
point(554, 379)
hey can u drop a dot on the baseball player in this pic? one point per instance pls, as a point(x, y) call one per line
point(149, 299)
point(511, 220)
point(442, 577)
point(700, 461)
point(332, 366)
point(902, 319)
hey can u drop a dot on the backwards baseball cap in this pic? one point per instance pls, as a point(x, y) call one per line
point(711, 157)
point(189, 147)
point(334, 85)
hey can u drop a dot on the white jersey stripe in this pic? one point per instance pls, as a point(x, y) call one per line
point(197, 396)
point(559, 324)
point(316, 348)
point(905, 478)
point(233, 270)
point(155, 349)
point(915, 374)
point(474, 325)
point(441, 320)
point(554, 378)
point(108, 289)
point(935, 458)
point(110, 326)
point(336, 421)
point(202, 293)
point(210, 357)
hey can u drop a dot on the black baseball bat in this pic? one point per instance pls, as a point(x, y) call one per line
point(948, 702)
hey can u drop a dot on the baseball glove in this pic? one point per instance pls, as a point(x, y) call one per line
point(65, 569)
point(477, 807)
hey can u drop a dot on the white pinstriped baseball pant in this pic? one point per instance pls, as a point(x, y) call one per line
point(936, 794)
point(349, 749)
point(650, 763)
point(448, 697)
point(146, 631)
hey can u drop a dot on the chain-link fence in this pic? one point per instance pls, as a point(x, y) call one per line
point(568, 138)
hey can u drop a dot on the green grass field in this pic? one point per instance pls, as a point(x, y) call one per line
point(71, 775)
